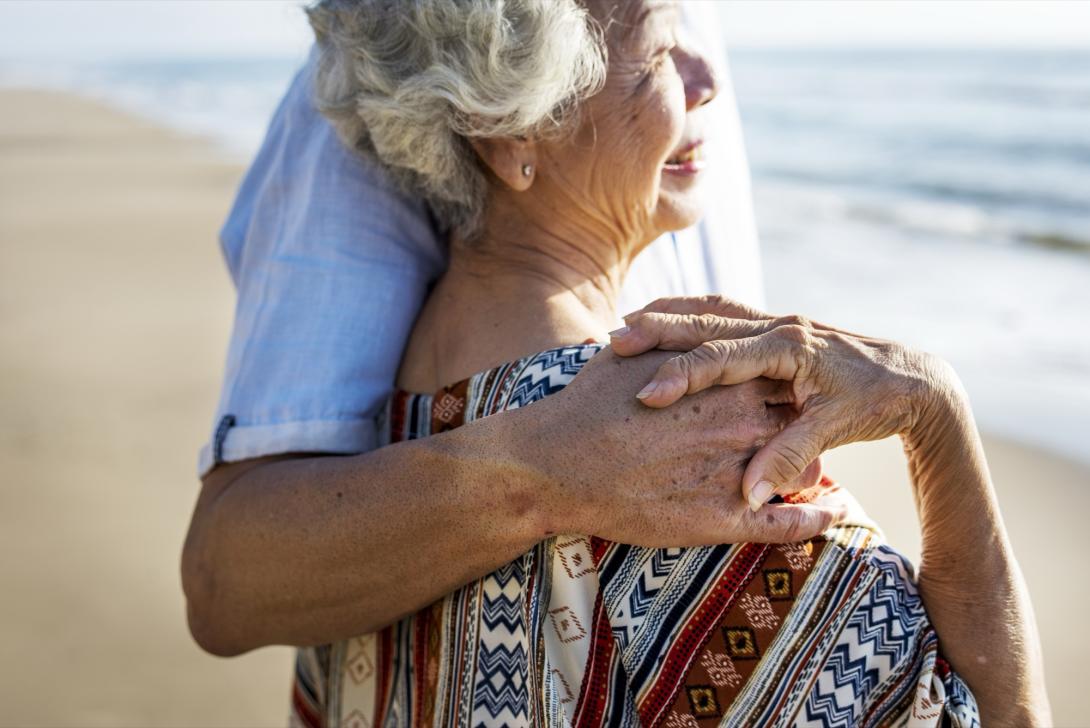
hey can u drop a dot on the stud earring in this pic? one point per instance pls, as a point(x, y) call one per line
point(527, 170)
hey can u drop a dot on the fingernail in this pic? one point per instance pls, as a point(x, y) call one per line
point(760, 495)
point(620, 332)
point(647, 391)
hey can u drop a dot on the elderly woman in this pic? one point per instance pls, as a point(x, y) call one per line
point(555, 141)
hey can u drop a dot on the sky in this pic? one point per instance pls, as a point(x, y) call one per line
point(94, 28)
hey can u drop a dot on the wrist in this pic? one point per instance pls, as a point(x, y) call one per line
point(941, 406)
point(485, 471)
point(527, 454)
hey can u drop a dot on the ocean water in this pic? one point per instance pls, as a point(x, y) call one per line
point(940, 198)
point(937, 197)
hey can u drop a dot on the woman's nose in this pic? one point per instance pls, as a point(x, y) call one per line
point(698, 75)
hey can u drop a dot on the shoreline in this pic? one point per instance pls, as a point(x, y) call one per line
point(115, 311)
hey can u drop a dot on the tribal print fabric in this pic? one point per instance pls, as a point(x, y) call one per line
point(584, 632)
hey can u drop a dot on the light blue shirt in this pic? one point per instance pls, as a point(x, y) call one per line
point(332, 265)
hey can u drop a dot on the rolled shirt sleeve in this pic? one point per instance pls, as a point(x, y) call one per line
point(331, 264)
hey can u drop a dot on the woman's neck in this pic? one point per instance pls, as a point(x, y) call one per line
point(512, 293)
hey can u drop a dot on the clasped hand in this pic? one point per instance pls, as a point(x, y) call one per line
point(844, 387)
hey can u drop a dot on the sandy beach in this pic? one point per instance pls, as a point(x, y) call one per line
point(115, 309)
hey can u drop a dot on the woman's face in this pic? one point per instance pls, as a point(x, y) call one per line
point(636, 161)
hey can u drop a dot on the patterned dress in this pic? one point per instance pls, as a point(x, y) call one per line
point(584, 632)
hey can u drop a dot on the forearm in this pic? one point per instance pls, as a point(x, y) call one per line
point(969, 579)
point(311, 550)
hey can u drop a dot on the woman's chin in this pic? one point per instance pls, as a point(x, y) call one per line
point(681, 194)
point(678, 210)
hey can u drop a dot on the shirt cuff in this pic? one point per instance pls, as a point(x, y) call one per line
point(234, 443)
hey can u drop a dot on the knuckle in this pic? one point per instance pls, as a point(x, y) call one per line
point(795, 335)
point(710, 353)
point(651, 326)
point(837, 341)
point(795, 320)
point(712, 300)
point(647, 323)
point(689, 365)
point(701, 365)
point(721, 348)
point(677, 366)
point(706, 325)
point(772, 423)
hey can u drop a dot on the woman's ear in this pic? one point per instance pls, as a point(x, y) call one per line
point(512, 159)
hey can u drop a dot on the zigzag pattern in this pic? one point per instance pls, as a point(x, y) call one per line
point(630, 612)
point(547, 373)
point(500, 698)
point(879, 640)
point(897, 570)
point(502, 606)
point(500, 690)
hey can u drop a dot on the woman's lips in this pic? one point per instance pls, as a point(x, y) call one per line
point(689, 160)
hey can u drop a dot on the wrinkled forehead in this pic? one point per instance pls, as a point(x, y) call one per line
point(625, 21)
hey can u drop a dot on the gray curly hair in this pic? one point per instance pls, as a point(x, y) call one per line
point(408, 82)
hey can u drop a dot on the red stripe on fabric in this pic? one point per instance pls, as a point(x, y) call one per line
point(598, 549)
point(420, 659)
point(431, 669)
point(698, 630)
point(590, 708)
point(398, 409)
point(495, 403)
point(305, 712)
point(942, 667)
point(384, 665)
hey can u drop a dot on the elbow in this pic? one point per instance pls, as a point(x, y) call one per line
point(210, 623)
point(219, 607)
point(210, 635)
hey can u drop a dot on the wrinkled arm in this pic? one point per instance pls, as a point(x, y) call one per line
point(968, 576)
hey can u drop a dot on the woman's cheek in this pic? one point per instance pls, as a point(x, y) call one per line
point(645, 143)
point(669, 115)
